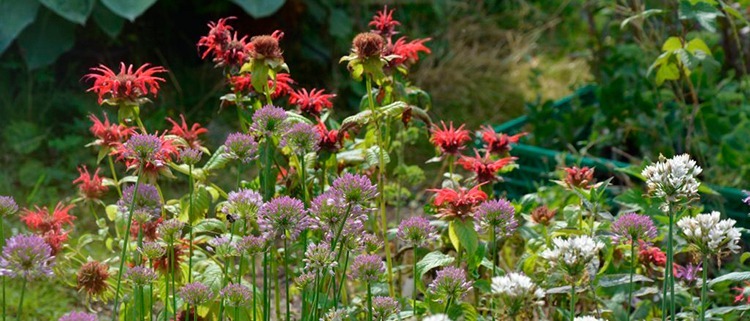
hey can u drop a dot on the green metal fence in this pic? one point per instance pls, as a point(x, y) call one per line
point(538, 163)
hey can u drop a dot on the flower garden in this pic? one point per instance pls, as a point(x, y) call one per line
point(305, 213)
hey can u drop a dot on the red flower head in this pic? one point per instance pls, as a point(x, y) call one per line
point(498, 143)
point(281, 87)
point(189, 134)
point(743, 293)
point(458, 203)
point(90, 186)
point(329, 139)
point(235, 53)
point(484, 168)
point(265, 46)
point(579, 177)
point(127, 85)
point(384, 23)
point(149, 229)
point(651, 255)
point(312, 102)
point(408, 52)
point(450, 140)
point(217, 39)
point(108, 135)
point(50, 224)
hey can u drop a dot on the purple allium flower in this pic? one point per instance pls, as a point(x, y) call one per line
point(269, 120)
point(329, 208)
point(141, 275)
point(252, 245)
point(335, 315)
point(196, 293)
point(170, 230)
point(367, 267)
point(78, 316)
point(687, 273)
point(191, 156)
point(498, 214)
point(243, 203)
point(143, 147)
point(302, 138)
point(152, 250)
point(631, 227)
point(235, 295)
point(26, 257)
point(283, 215)
point(357, 189)
point(450, 282)
point(147, 202)
point(224, 246)
point(8, 206)
point(319, 258)
point(415, 230)
point(370, 243)
point(241, 146)
point(383, 307)
point(305, 279)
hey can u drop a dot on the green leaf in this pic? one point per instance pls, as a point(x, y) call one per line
point(46, 39)
point(433, 260)
point(15, 15)
point(697, 45)
point(667, 72)
point(201, 203)
point(704, 13)
point(210, 225)
point(259, 77)
point(640, 16)
point(111, 211)
point(107, 20)
point(218, 160)
point(733, 276)
point(725, 310)
point(463, 232)
point(620, 279)
point(672, 44)
point(23, 137)
point(260, 8)
point(128, 9)
point(74, 10)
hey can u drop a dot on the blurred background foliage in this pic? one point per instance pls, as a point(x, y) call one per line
point(488, 59)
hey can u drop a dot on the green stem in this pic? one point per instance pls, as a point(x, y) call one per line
point(343, 279)
point(632, 271)
point(447, 305)
point(416, 277)
point(671, 268)
point(369, 302)
point(239, 174)
point(114, 175)
point(266, 290)
point(704, 288)
point(286, 279)
point(252, 276)
point(315, 296)
point(195, 313)
point(125, 242)
point(303, 174)
point(225, 276)
point(172, 266)
point(276, 287)
point(268, 181)
point(494, 269)
point(166, 297)
point(190, 219)
point(2, 243)
point(93, 211)
point(143, 302)
point(20, 302)
point(572, 301)
point(450, 168)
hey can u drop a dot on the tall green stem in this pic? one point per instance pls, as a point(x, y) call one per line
point(171, 268)
point(632, 271)
point(252, 276)
point(268, 181)
point(225, 276)
point(369, 301)
point(2, 243)
point(704, 288)
point(114, 175)
point(671, 268)
point(303, 174)
point(143, 302)
point(572, 301)
point(190, 219)
point(447, 305)
point(286, 279)
point(125, 242)
point(416, 278)
point(494, 269)
point(20, 301)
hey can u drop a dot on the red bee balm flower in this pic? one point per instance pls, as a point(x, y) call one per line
point(450, 140)
point(189, 134)
point(90, 186)
point(107, 134)
point(579, 177)
point(384, 23)
point(218, 37)
point(408, 52)
point(498, 143)
point(329, 139)
point(485, 168)
point(459, 203)
point(50, 224)
point(311, 102)
point(281, 87)
point(126, 86)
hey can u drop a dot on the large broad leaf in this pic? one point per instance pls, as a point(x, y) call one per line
point(128, 9)
point(15, 15)
point(620, 279)
point(734, 277)
point(74, 10)
point(433, 260)
point(260, 8)
point(703, 12)
point(46, 39)
point(110, 23)
point(463, 235)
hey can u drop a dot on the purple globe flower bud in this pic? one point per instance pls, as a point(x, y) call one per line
point(370, 243)
point(144, 147)
point(320, 259)
point(241, 146)
point(152, 250)
point(383, 307)
point(141, 275)
point(224, 247)
point(243, 203)
point(8, 206)
point(191, 156)
point(78, 316)
point(196, 293)
point(235, 295)
point(329, 208)
point(147, 202)
point(415, 230)
point(26, 257)
point(252, 245)
point(498, 215)
point(283, 215)
point(450, 283)
point(631, 227)
point(355, 188)
point(305, 279)
point(302, 138)
point(170, 230)
point(269, 120)
point(367, 268)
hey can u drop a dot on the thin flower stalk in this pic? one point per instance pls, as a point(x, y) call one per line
point(125, 243)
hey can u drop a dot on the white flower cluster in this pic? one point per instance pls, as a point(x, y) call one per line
point(517, 286)
point(674, 178)
point(437, 317)
point(710, 233)
point(573, 253)
point(588, 318)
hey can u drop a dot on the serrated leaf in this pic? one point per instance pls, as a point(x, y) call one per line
point(218, 160)
point(433, 260)
point(74, 10)
point(260, 8)
point(128, 9)
point(620, 279)
point(702, 12)
point(15, 15)
point(733, 276)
